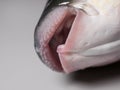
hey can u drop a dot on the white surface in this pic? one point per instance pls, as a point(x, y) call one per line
point(20, 67)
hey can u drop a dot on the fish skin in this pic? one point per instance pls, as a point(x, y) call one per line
point(94, 18)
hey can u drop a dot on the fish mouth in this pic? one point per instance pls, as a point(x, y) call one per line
point(47, 42)
point(60, 36)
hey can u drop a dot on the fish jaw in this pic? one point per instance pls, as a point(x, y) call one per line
point(72, 62)
point(92, 28)
point(87, 32)
point(47, 38)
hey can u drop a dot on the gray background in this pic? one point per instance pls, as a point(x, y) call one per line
point(20, 67)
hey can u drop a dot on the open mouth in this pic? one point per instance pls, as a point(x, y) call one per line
point(60, 36)
point(46, 44)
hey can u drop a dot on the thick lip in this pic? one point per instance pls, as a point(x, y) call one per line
point(42, 41)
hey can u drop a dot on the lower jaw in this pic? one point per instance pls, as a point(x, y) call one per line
point(82, 62)
point(92, 53)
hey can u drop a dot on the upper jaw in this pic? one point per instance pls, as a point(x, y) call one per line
point(84, 46)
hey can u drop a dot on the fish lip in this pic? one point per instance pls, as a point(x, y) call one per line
point(39, 47)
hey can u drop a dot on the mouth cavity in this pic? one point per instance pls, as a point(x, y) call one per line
point(60, 36)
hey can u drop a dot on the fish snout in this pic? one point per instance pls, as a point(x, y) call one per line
point(77, 35)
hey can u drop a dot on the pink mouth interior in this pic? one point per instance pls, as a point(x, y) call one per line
point(53, 32)
point(60, 36)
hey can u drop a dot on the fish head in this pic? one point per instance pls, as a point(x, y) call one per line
point(77, 34)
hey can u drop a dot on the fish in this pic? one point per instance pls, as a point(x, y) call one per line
point(74, 35)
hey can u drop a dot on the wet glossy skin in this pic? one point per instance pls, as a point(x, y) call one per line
point(90, 39)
